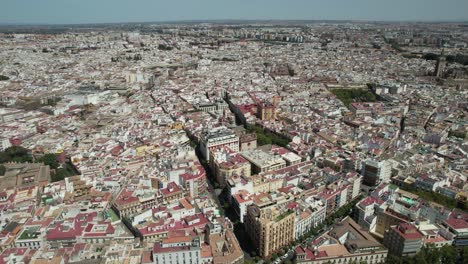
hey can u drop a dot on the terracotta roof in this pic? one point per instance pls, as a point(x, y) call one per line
point(179, 239)
point(408, 231)
point(457, 223)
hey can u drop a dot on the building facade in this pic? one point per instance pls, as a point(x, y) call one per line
point(177, 250)
point(269, 228)
point(403, 240)
point(217, 138)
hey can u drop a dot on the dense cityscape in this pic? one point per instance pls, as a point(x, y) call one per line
point(234, 142)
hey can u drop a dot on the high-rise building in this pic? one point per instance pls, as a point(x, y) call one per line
point(386, 219)
point(269, 228)
point(440, 66)
point(216, 138)
point(374, 172)
point(403, 240)
point(266, 111)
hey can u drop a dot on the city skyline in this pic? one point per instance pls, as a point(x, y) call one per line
point(89, 12)
point(234, 132)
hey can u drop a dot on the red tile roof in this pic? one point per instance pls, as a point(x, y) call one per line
point(408, 231)
point(172, 187)
point(188, 223)
point(125, 197)
point(457, 220)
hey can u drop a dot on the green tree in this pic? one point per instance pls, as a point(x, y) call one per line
point(391, 259)
point(437, 197)
point(15, 154)
point(465, 255)
point(430, 253)
point(2, 170)
point(420, 259)
point(62, 173)
point(263, 140)
point(348, 96)
point(57, 176)
point(49, 159)
point(448, 255)
point(266, 137)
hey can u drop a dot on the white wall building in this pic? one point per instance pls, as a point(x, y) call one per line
point(216, 138)
point(177, 250)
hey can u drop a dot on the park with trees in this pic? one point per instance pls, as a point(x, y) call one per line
point(18, 154)
point(348, 96)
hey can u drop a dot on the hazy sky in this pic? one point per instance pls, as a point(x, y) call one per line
point(96, 11)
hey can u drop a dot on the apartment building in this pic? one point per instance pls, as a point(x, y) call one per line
point(270, 228)
point(403, 240)
point(263, 161)
point(175, 250)
point(217, 138)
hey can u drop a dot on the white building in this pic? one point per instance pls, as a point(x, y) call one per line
point(216, 138)
point(177, 250)
point(309, 218)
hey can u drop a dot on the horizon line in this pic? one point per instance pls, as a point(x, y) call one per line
point(220, 21)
